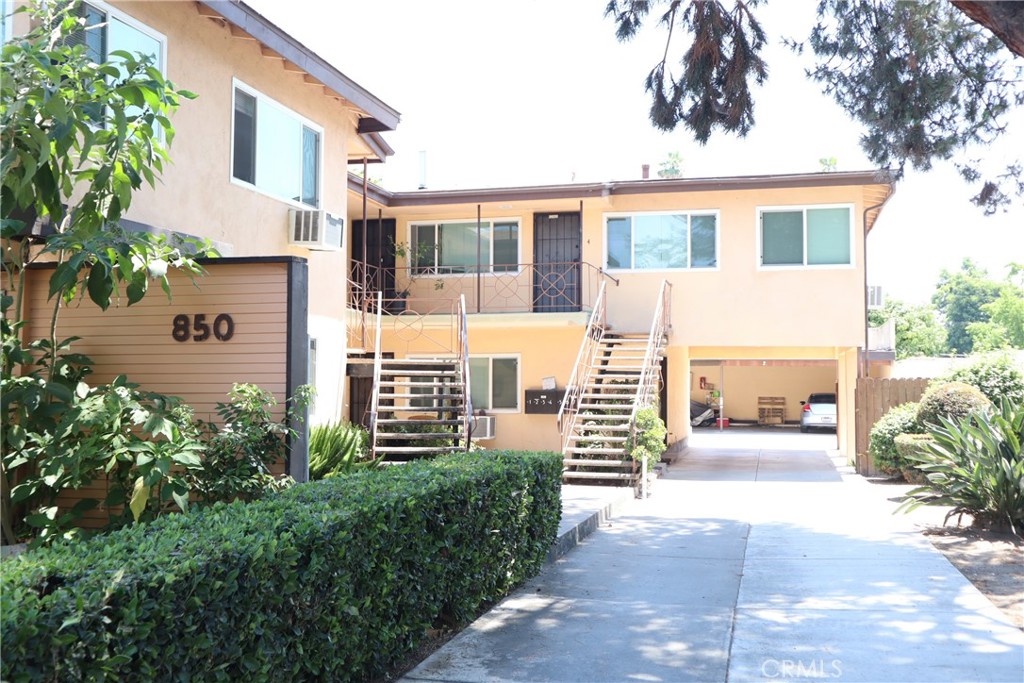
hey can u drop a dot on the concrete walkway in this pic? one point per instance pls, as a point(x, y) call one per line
point(757, 559)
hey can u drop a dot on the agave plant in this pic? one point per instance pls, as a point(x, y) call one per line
point(976, 466)
point(338, 448)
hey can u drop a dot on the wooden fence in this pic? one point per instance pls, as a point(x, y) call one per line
point(874, 398)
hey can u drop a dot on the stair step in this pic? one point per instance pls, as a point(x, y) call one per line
point(406, 383)
point(607, 406)
point(446, 423)
point(593, 451)
point(416, 409)
point(599, 475)
point(398, 372)
point(432, 397)
point(604, 428)
point(598, 437)
point(619, 418)
point(571, 462)
point(415, 450)
point(417, 436)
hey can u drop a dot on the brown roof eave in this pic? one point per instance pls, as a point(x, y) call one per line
point(263, 30)
point(659, 186)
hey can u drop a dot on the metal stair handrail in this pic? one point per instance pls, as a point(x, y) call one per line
point(585, 360)
point(651, 369)
point(463, 342)
point(377, 367)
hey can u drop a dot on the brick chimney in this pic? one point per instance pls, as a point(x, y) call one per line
point(645, 171)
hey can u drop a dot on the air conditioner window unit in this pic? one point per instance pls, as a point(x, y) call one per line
point(876, 297)
point(483, 428)
point(315, 229)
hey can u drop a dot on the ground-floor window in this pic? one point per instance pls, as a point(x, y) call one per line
point(494, 383)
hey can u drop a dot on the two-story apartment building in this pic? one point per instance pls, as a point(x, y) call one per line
point(766, 298)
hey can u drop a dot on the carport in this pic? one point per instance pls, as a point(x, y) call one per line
point(763, 392)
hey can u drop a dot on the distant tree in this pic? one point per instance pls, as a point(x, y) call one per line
point(928, 79)
point(828, 164)
point(1005, 326)
point(960, 297)
point(672, 167)
point(918, 329)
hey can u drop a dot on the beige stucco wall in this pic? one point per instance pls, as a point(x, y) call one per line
point(196, 194)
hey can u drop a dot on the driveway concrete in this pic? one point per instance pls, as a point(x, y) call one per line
point(756, 559)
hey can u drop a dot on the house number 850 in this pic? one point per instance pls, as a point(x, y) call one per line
point(197, 329)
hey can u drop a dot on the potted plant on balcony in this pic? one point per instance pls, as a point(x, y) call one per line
point(416, 259)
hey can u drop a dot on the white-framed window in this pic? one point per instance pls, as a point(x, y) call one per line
point(6, 20)
point(273, 149)
point(445, 247)
point(108, 30)
point(494, 383)
point(674, 240)
point(807, 236)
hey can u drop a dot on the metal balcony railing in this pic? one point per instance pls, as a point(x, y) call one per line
point(517, 288)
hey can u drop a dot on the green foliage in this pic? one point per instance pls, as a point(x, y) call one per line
point(950, 400)
point(918, 330)
point(338, 448)
point(724, 54)
point(1005, 325)
point(63, 433)
point(901, 419)
point(909, 447)
point(923, 79)
point(330, 580)
point(239, 452)
point(960, 297)
point(995, 375)
point(976, 466)
point(647, 439)
point(672, 166)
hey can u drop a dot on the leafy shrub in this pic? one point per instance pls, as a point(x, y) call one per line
point(908, 446)
point(976, 466)
point(995, 375)
point(647, 440)
point(338, 448)
point(329, 580)
point(951, 400)
point(901, 419)
point(239, 452)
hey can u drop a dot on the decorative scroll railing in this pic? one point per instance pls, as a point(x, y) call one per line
point(585, 362)
point(521, 288)
point(650, 374)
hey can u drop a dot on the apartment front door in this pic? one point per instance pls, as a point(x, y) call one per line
point(557, 275)
point(380, 255)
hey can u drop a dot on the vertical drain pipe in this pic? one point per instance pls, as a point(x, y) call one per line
point(479, 238)
point(364, 297)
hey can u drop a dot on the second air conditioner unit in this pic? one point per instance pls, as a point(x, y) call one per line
point(315, 229)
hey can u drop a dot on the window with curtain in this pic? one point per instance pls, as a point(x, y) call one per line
point(657, 241)
point(454, 247)
point(819, 236)
point(274, 149)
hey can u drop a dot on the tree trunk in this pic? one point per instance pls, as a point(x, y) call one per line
point(1004, 18)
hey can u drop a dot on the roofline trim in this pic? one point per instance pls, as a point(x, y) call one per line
point(628, 187)
point(271, 35)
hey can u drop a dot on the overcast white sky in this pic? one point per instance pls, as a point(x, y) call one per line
point(540, 91)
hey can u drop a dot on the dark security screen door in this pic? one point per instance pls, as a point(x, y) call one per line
point(380, 254)
point(557, 272)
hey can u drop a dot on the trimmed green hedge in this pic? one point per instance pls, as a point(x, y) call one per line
point(331, 580)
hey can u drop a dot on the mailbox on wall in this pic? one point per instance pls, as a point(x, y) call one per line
point(543, 402)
